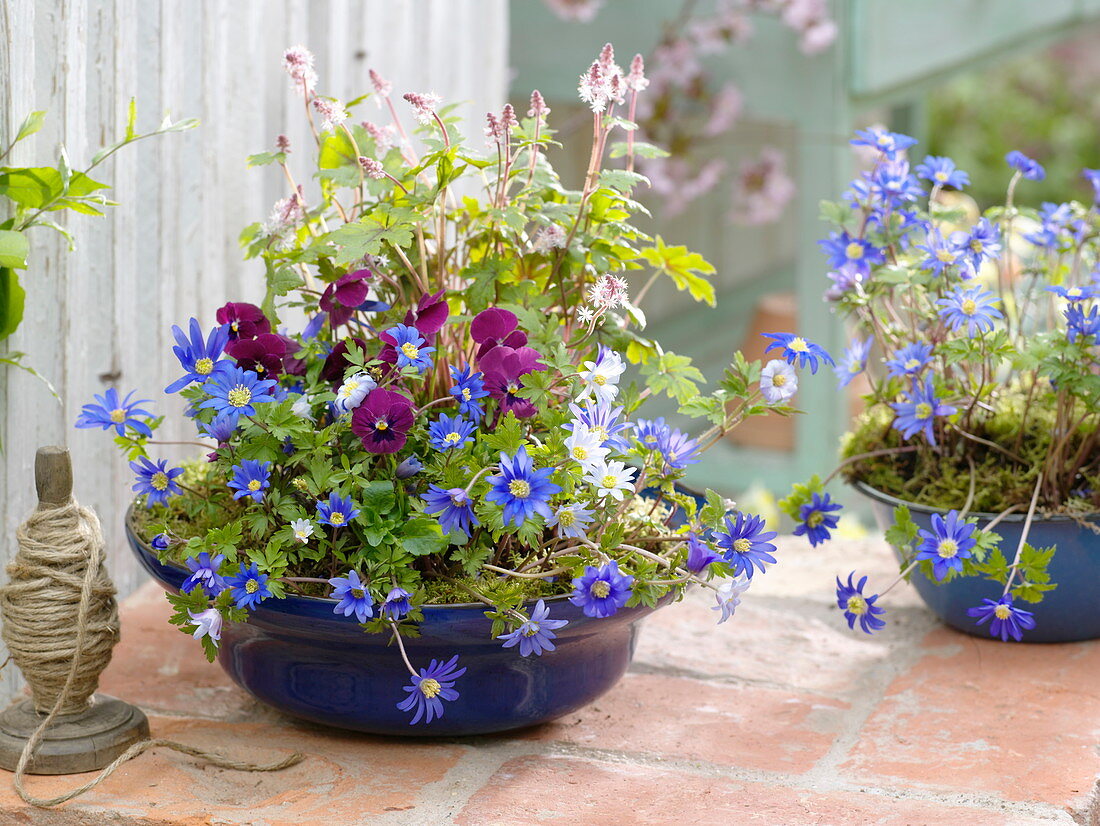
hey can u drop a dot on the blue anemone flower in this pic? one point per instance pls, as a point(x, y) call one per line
point(447, 433)
point(854, 361)
point(699, 554)
point(818, 518)
point(858, 607)
point(452, 507)
point(746, 542)
point(970, 308)
point(468, 388)
point(1079, 325)
point(1008, 620)
point(251, 478)
point(1030, 169)
point(199, 358)
point(888, 143)
point(603, 419)
point(910, 360)
point(395, 605)
point(520, 489)
point(535, 634)
point(160, 542)
point(650, 432)
point(982, 243)
point(942, 253)
point(410, 347)
point(249, 587)
point(601, 592)
point(843, 250)
point(678, 449)
point(337, 512)
point(236, 391)
point(204, 574)
point(353, 596)
point(894, 186)
point(111, 411)
point(409, 467)
point(919, 410)
point(428, 689)
point(941, 171)
point(947, 544)
point(156, 481)
point(795, 348)
point(221, 428)
point(1076, 293)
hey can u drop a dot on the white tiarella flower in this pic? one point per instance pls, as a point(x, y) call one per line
point(729, 596)
point(353, 391)
point(302, 407)
point(208, 623)
point(548, 238)
point(586, 315)
point(303, 530)
point(778, 381)
point(602, 376)
point(612, 479)
point(585, 446)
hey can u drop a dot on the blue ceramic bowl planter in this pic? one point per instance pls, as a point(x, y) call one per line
point(297, 655)
point(1068, 613)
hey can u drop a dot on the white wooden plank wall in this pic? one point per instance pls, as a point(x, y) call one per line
point(100, 316)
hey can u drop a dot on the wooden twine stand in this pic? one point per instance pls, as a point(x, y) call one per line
point(87, 732)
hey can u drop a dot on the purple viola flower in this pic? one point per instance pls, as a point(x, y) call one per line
point(881, 140)
point(204, 574)
point(244, 320)
point(342, 297)
point(382, 421)
point(504, 368)
point(601, 592)
point(336, 363)
point(919, 410)
point(857, 607)
point(910, 360)
point(818, 519)
point(971, 308)
point(353, 596)
point(428, 689)
point(453, 509)
point(251, 478)
point(235, 392)
point(396, 604)
point(429, 315)
point(1030, 169)
point(844, 250)
point(1080, 325)
point(111, 411)
point(534, 635)
point(1008, 620)
point(249, 587)
point(854, 361)
point(699, 554)
point(468, 389)
point(521, 490)
point(942, 172)
point(494, 327)
point(199, 358)
point(746, 543)
point(263, 354)
point(948, 543)
point(795, 348)
point(156, 481)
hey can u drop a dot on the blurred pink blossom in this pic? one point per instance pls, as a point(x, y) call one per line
point(298, 62)
point(579, 11)
point(672, 179)
point(762, 190)
point(726, 108)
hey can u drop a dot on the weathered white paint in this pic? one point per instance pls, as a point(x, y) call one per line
point(100, 316)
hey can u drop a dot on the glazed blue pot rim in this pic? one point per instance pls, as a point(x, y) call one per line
point(893, 501)
point(293, 599)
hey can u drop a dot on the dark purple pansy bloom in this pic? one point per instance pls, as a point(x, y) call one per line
point(503, 367)
point(244, 320)
point(263, 354)
point(493, 327)
point(337, 362)
point(341, 298)
point(292, 366)
point(429, 315)
point(382, 421)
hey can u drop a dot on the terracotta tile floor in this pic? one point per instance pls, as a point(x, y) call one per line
point(780, 716)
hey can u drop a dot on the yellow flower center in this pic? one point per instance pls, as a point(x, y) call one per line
point(336, 518)
point(941, 177)
point(204, 367)
point(580, 453)
point(857, 605)
point(1073, 292)
point(410, 350)
point(742, 545)
point(452, 437)
point(1002, 612)
point(235, 326)
point(600, 433)
point(159, 481)
point(358, 593)
point(301, 534)
point(947, 548)
point(779, 380)
point(854, 251)
point(382, 425)
point(465, 394)
point(239, 396)
point(300, 483)
point(429, 687)
point(567, 519)
point(924, 410)
point(251, 587)
point(530, 629)
point(519, 488)
point(977, 245)
point(599, 380)
point(912, 364)
point(969, 306)
point(798, 345)
point(254, 484)
point(815, 519)
point(600, 589)
point(513, 388)
point(610, 481)
point(945, 256)
point(118, 415)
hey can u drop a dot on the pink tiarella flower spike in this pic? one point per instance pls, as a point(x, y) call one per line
point(382, 87)
point(636, 82)
point(332, 112)
point(538, 110)
point(298, 63)
point(282, 144)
